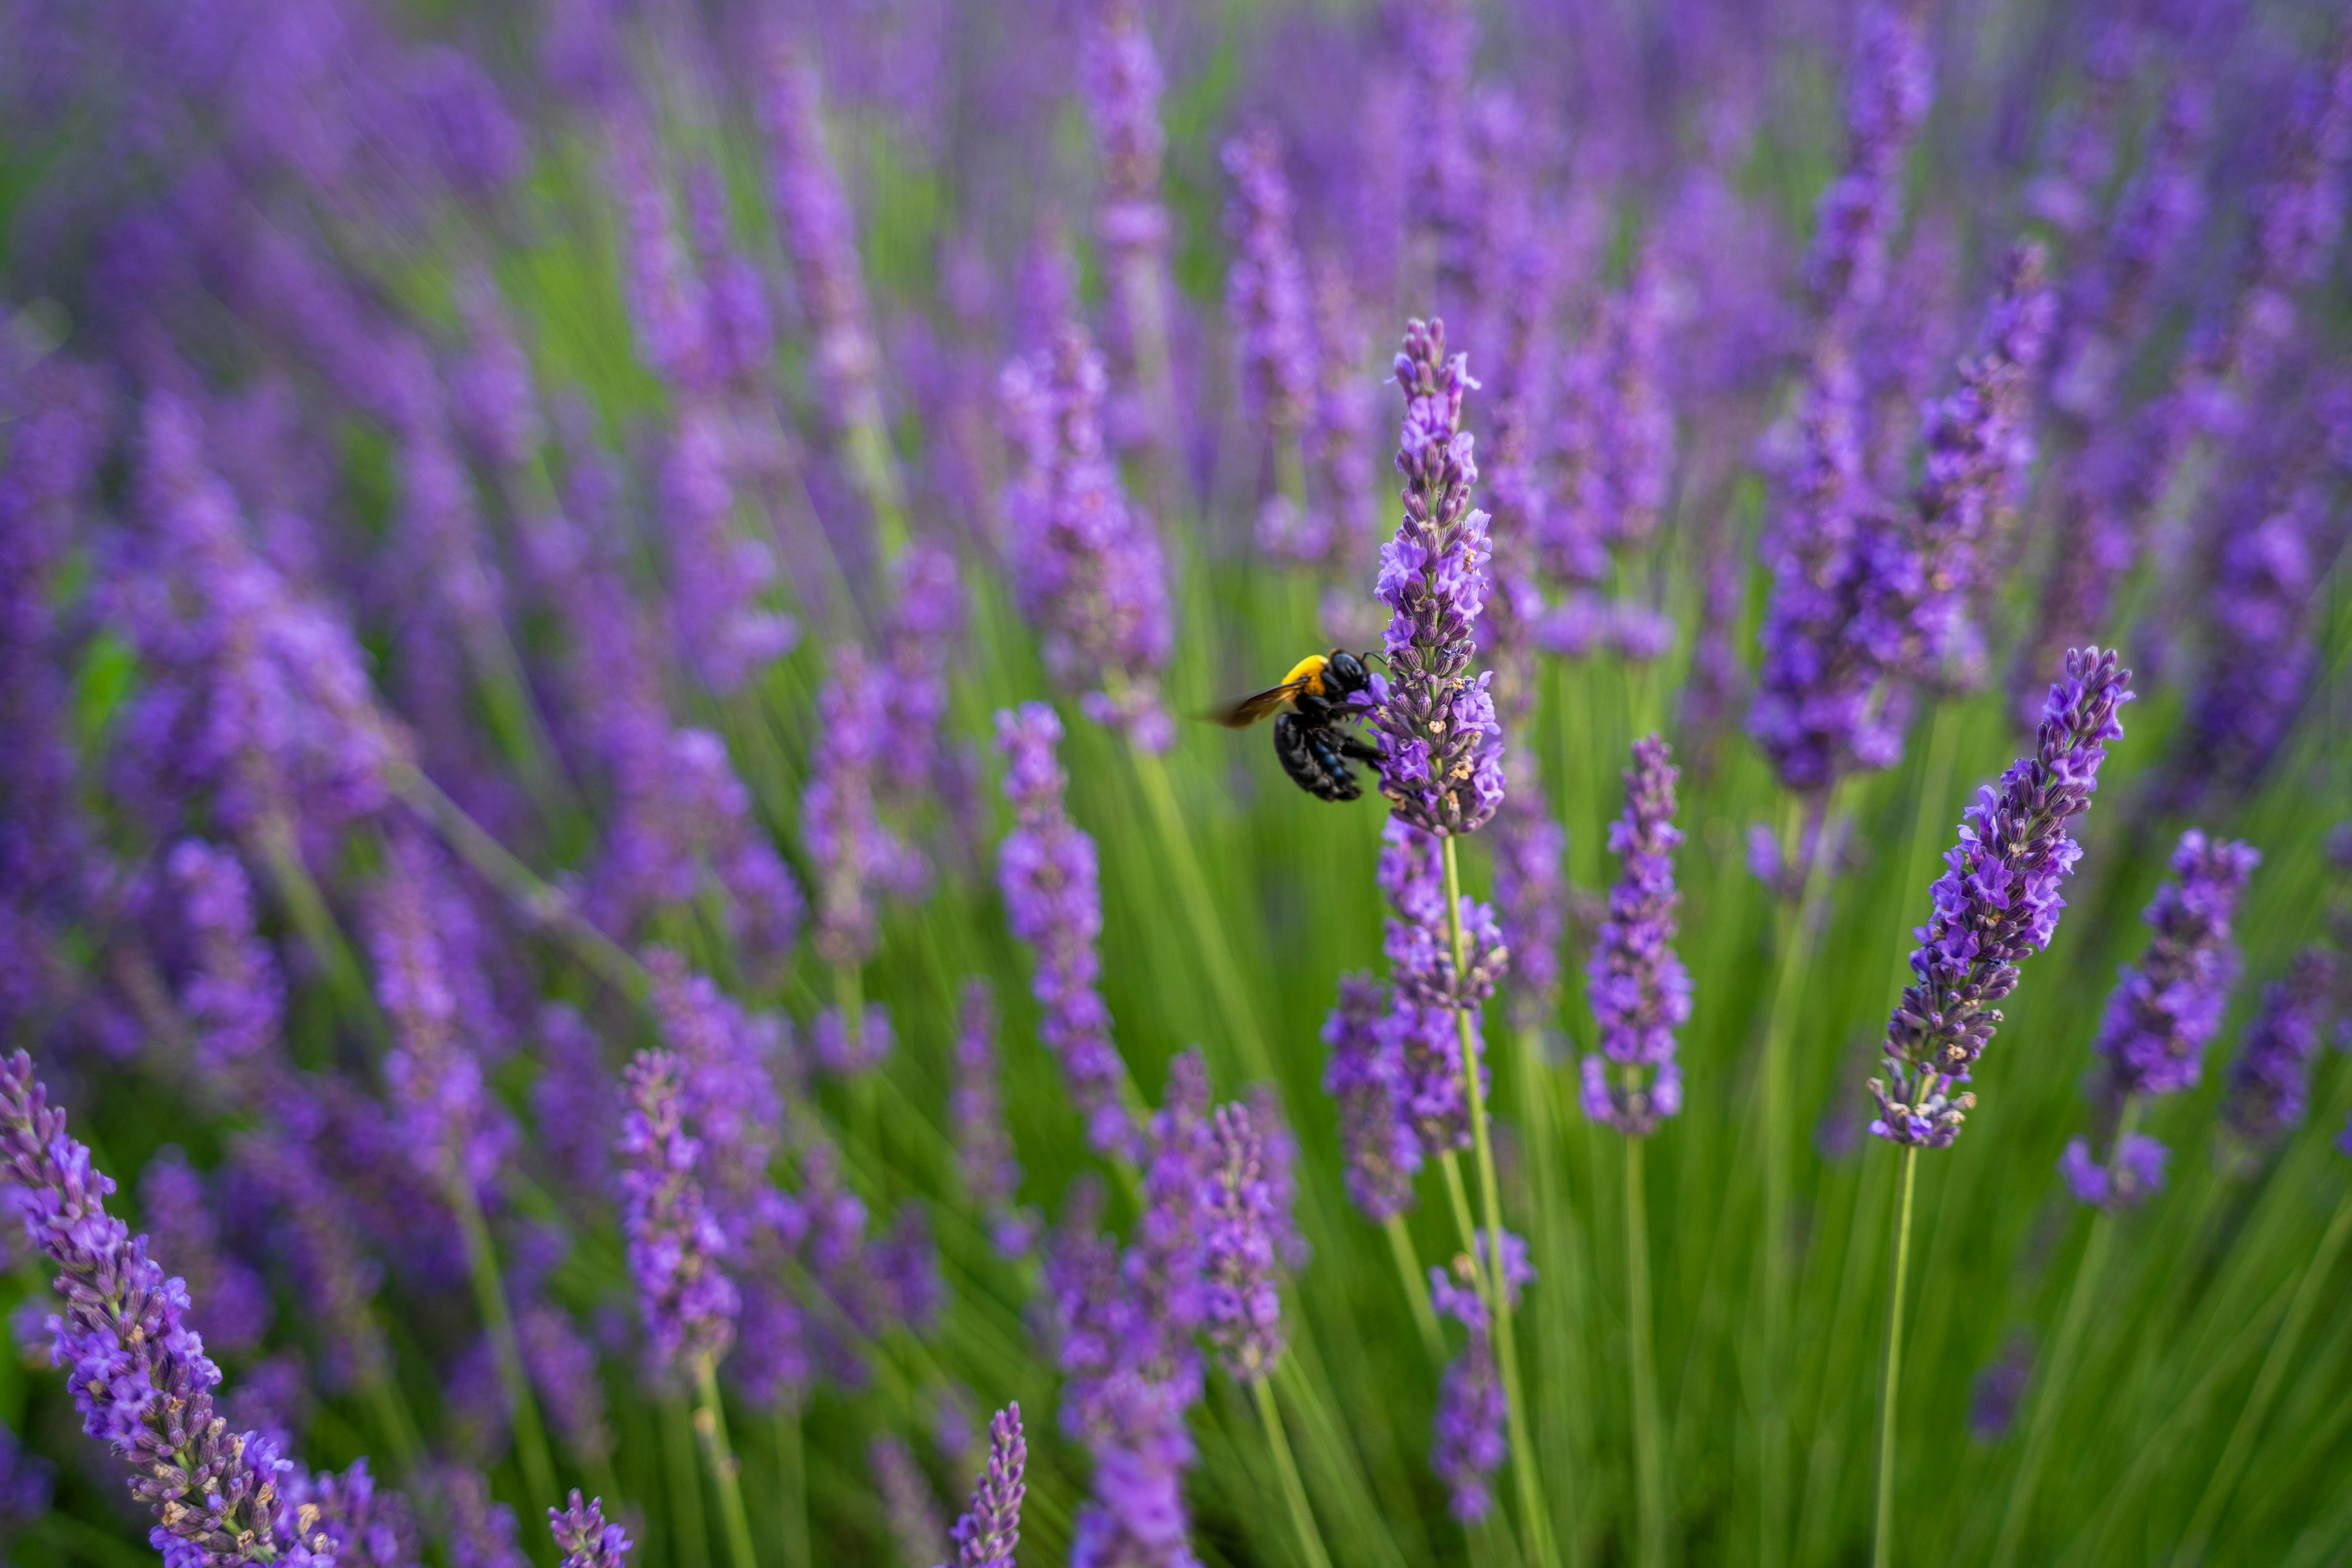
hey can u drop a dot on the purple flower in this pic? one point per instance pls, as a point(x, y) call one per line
point(1530, 894)
point(665, 297)
point(454, 1128)
point(1441, 177)
point(2270, 1082)
point(2165, 1008)
point(1118, 75)
point(363, 1525)
point(27, 1482)
point(1343, 510)
point(927, 619)
point(1441, 747)
point(1997, 902)
point(1087, 566)
point(721, 577)
point(1469, 1447)
point(1364, 1075)
point(563, 1366)
point(816, 224)
point(728, 1061)
point(854, 854)
point(1420, 1034)
point(233, 1309)
point(907, 1506)
point(583, 1537)
point(985, 1161)
point(845, 1051)
point(478, 1532)
point(1639, 990)
point(236, 996)
point(2000, 1384)
point(688, 1302)
point(1889, 86)
point(989, 1530)
point(2136, 1170)
point(138, 1372)
point(575, 1102)
point(1046, 871)
point(1237, 1245)
point(1265, 288)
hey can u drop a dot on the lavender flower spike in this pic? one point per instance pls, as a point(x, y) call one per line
point(989, 1530)
point(138, 1373)
point(1049, 875)
point(1265, 292)
point(689, 1304)
point(1243, 1303)
point(2270, 1083)
point(1640, 992)
point(585, 1539)
point(2165, 1008)
point(1441, 746)
point(1997, 902)
point(1364, 1075)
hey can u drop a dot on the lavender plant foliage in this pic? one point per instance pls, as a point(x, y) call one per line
point(2269, 1080)
point(1996, 903)
point(1639, 990)
point(1441, 748)
point(985, 1536)
point(138, 1372)
point(1046, 870)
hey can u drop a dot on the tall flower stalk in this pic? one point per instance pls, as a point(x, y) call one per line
point(1996, 904)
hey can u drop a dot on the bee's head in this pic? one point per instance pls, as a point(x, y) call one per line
point(1344, 673)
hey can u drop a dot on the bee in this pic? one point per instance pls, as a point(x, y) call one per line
point(1313, 750)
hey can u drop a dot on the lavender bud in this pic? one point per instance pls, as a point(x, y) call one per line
point(1364, 1075)
point(989, 1530)
point(2270, 1083)
point(2165, 1008)
point(583, 1537)
point(688, 1304)
point(1237, 1245)
point(1639, 990)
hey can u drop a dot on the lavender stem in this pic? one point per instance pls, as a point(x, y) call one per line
point(497, 1318)
point(1416, 1287)
point(710, 1430)
point(791, 1486)
point(1498, 1296)
point(1648, 1470)
point(1882, 1549)
point(689, 1534)
point(1302, 1517)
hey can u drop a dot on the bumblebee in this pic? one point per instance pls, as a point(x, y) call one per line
point(1307, 740)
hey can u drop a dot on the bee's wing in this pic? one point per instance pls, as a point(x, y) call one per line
point(1245, 712)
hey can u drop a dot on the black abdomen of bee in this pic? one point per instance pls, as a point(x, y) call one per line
point(1312, 754)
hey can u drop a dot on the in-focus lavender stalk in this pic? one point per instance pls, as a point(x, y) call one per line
point(1086, 567)
point(1471, 1407)
point(1365, 1074)
point(1996, 903)
point(1441, 747)
point(138, 1373)
point(988, 1532)
point(584, 1538)
point(1420, 1035)
point(687, 1301)
point(1244, 1300)
point(2270, 1082)
point(1635, 980)
point(1047, 872)
point(2162, 1012)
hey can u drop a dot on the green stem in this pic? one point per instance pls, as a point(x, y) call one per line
point(791, 1486)
point(875, 468)
point(1649, 1475)
point(1788, 993)
point(2224, 1479)
point(710, 1429)
point(1881, 1550)
point(316, 922)
point(497, 1318)
point(1208, 936)
point(2057, 1367)
point(1416, 1288)
point(392, 1415)
point(1302, 1517)
point(1498, 1296)
point(689, 1533)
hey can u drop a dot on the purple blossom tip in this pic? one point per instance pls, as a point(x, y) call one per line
point(2136, 1171)
point(1639, 990)
point(2165, 1008)
point(1242, 1302)
point(584, 1538)
point(989, 1529)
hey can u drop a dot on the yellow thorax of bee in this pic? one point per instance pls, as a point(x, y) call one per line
point(1309, 670)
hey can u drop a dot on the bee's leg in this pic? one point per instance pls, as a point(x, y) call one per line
point(1294, 747)
point(1340, 778)
point(1357, 750)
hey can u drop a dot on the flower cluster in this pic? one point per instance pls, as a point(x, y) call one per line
point(2270, 1082)
point(1240, 1219)
point(1639, 990)
point(689, 1303)
point(1428, 1002)
point(1996, 903)
point(989, 1530)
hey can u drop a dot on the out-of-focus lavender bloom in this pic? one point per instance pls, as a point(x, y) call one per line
point(1364, 1074)
point(985, 1161)
point(665, 296)
point(2270, 1082)
point(1421, 1033)
point(2135, 1170)
point(848, 1050)
point(1530, 896)
point(364, 1525)
point(138, 1372)
point(1265, 287)
point(2000, 1384)
point(339, 1281)
point(1639, 990)
point(1441, 180)
point(739, 333)
point(1889, 85)
point(26, 1482)
point(576, 1103)
point(454, 1128)
point(1119, 73)
point(1136, 1515)
point(584, 1538)
point(907, 1506)
point(1279, 1163)
point(1441, 746)
point(236, 995)
point(479, 1530)
point(1087, 566)
point(2298, 215)
point(1469, 1445)
point(729, 1060)
point(721, 576)
point(927, 618)
point(1615, 433)
point(1046, 870)
point(1342, 506)
point(1238, 1244)
point(854, 855)
point(1997, 902)
point(492, 396)
point(2165, 1007)
point(233, 1308)
point(988, 1532)
point(818, 234)
point(905, 1264)
point(563, 1366)
point(688, 1302)
point(273, 1396)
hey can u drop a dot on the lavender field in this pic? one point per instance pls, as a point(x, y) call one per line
point(1175, 784)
